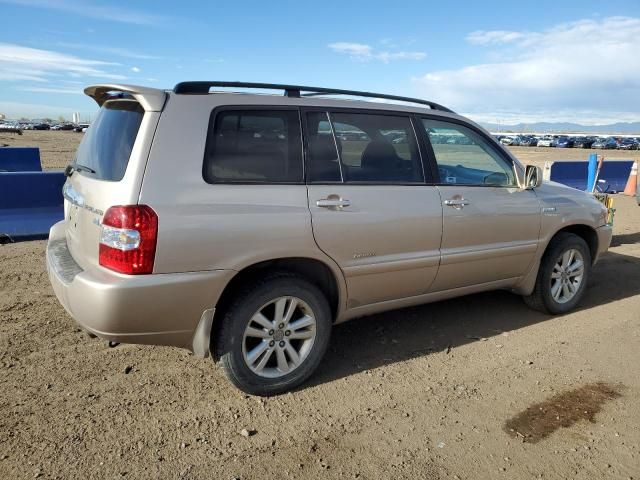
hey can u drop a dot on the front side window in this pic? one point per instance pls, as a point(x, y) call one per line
point(254, 146)
point(362, 147)
point(464, 157)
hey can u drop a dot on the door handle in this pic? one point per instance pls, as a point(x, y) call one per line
point(333, 203)
point(457, 203)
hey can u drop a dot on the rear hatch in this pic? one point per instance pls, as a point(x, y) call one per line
point(108, 166)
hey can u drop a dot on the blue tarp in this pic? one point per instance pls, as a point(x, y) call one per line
point(30, 203)
point(615, 174)
point(20, 159)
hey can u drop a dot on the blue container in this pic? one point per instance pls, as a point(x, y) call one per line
point(31, 202)
point(20, 159)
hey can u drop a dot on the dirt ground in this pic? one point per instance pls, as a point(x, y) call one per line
point(478, 387)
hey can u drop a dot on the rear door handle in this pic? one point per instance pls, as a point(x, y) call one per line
point(333, 203)
point(457, 202)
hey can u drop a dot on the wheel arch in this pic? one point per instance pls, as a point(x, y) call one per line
point(582, 230)
point(312, 269)
point(586, 232)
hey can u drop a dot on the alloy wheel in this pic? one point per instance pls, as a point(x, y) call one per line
point(279, 337)
point(567, 276)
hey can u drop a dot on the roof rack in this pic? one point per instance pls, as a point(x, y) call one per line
point(295, 91)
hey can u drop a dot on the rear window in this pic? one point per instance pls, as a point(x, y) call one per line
point(254, 146)
point(106, 147)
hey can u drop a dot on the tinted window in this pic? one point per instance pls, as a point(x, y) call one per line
point(465, 157)
point(254, 146)
point(371, 148)
point(107, 145)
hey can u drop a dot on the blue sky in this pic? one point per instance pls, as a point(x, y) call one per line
point(492, 60)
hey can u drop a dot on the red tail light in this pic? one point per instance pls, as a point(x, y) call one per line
point(128, 239)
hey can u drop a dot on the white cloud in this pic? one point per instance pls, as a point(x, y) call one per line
point(92, 10)
point(574, 68)
point(353, 49)
point(364, 53)
point(23, 63)
point(135, 69)
point(481, 37)
point(73, 91)
point(120, 52)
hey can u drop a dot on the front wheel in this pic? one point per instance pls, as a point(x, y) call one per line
point(563, 275)
point(274, 334)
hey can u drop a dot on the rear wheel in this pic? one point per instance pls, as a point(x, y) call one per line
point(563, 274)
point(274, 334)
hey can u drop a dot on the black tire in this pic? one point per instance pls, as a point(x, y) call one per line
point(541, 298)
point(228, 342)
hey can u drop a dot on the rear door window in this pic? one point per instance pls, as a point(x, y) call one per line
point(106, 147)
point(362, 148)
point(254, 146)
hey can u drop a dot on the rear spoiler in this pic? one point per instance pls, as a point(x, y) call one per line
point(151, 99)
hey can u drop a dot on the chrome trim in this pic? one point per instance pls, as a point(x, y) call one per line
point(75, 198)
point(72, 195)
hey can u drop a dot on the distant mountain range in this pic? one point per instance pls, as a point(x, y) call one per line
point(622, 128)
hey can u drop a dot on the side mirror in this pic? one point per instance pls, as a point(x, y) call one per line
point(532, 177)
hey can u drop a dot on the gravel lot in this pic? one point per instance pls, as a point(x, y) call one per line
point(473, 388)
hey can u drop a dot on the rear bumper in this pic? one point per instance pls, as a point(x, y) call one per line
point(158, 309)
point(604, 240)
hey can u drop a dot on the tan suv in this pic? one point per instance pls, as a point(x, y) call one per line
point(246, 225)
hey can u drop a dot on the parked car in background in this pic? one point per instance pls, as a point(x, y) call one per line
point(564, 142)
point(81, 127)
point(42, 126)
point(529, 141)
point(259, 246)
point(628, 144)
point(608, 143)
point(514, 141)
point(545, 141)
point(584, 142)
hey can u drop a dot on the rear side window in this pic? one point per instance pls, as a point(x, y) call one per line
point(254, 146)
point(362, 147)
point(106, 147)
